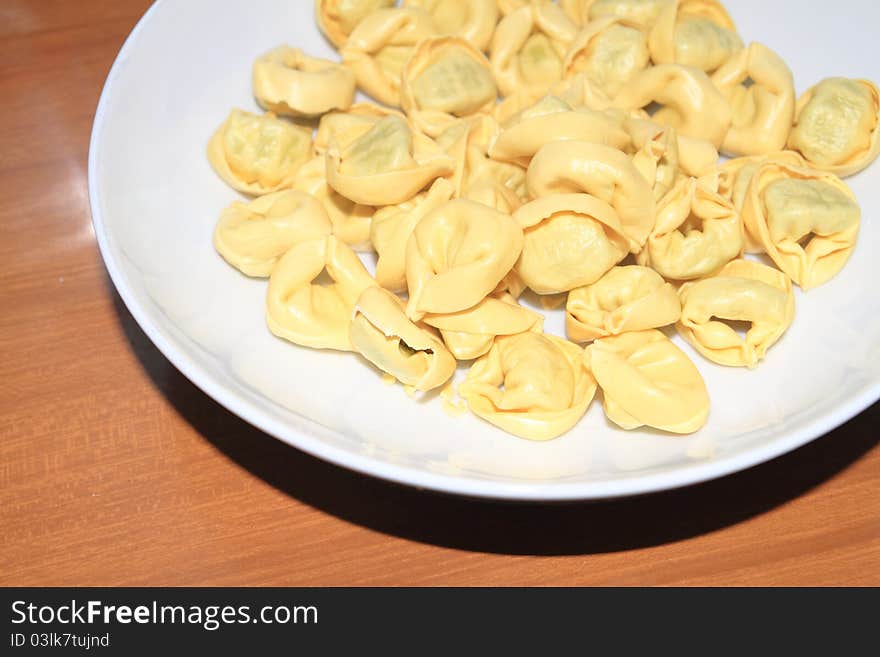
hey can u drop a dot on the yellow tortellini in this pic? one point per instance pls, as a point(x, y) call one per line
point(762, 112)
point(472, 20)
point(697, 33)
point(742, 291)
point(381, 332)
point(577, 10)
point(647, 381)
point(307, 313)
point(807, 221)
point(691, 103)
point(287, 81)
point(258, 154)
point(609, 52)
point(338, 18)
point(253, 236)
point(696, 232)
point(457, 255)
point(528, 47)
point(351, 221)
point(626, 299)
point(446, 79)
point(388, 164)
point(471, 333)
point(380, 46)
point(552, 119)
point(570, 240)
point(837, 125)
point(531, 385)
point(392, 226)
point(608, 174)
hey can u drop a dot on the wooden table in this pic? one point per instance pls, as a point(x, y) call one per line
point(116, 470)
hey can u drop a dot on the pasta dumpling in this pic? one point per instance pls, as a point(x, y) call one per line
point(528, 47)
point(807, 221)
point(471, 333)
point(258, 154)
point(570, 240)
point(691, 103)
point(344, 127)
point(625, 299)
point(380, 46)
point(457, 255)
point(310, 314)
point(392, 226)
point(657, 159)
point(338, 18)
point(381, 332)
point(446, 79)
point(698, 33)
point(289, 82)
point(472, 20)
point(574, 166)
point(837, 125)
point(696, 232)
point(762, 112)
point(608, 51)
point(387, 164)
point(253, 236)
point(532, 385)
point(647, 381)
point(742, 291)
point(695, 157)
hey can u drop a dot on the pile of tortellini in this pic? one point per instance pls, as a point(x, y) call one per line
point(595, 182)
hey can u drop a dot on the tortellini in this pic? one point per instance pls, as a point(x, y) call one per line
point(392, 226)
point(472, 20)
point(380, 46)
point(552, 119)
point(647, 381)
point(471, 333)
point(604, 172)
point(698, 33)
point(696, 232)
point(837, 125)
point(287, 81)
point(528, 47)
point(762, 112)
point(625, 299)
point(344, 127)
point(351, 221)
point(608, 51)
point(457, 255)
point(253, 236)
point(310, 314)
point(691, 103)
point(446, 79)
point(531, 385)
point(577, 10)
point(258, 154)
point(570, 240)
point(338, 18)
point(742, 291)
point(807, 221)
point(695, 157)
point(381, 332)
point(388, 164)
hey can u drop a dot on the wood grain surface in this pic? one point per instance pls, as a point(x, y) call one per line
point(115, 470)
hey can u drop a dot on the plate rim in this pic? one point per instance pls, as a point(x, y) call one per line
point(525, 491)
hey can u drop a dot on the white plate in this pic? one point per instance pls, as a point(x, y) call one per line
point(155, 200)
